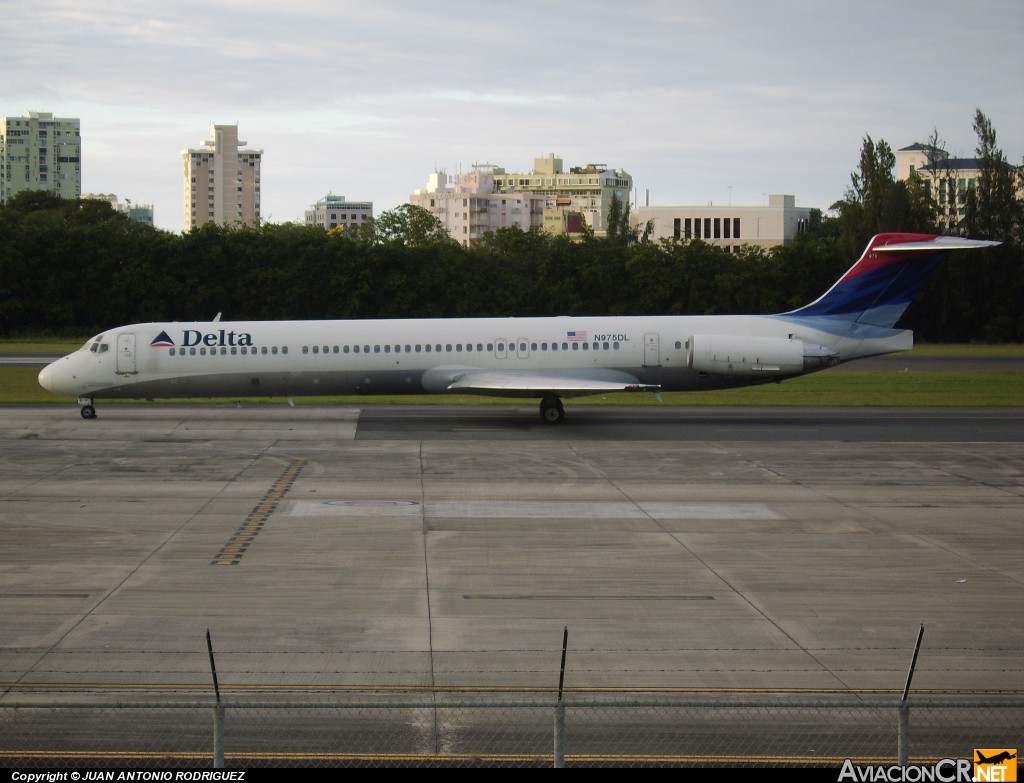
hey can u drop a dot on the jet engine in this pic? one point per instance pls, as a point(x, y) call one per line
point(753, 357)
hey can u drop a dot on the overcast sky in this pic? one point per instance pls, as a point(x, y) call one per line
point(701, 101)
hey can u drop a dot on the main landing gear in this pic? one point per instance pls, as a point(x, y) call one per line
point(88, 411)
point(551, 410)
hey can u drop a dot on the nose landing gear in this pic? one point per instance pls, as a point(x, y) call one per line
point(88, 410)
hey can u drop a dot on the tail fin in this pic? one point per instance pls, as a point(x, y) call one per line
point(878, 288)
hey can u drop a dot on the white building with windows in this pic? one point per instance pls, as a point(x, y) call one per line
point(776, 223)
point(221, 181)
point(334, 211)
point(40, 152)
point(489, 197)
point(469, 205)
point(950, 178)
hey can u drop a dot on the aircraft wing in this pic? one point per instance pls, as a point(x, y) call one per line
point(537, 385)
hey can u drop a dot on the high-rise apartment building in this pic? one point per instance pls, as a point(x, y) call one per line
point(222, 181)
point(40, 152)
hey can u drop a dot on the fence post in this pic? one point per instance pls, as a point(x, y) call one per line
point(559, 735)
point(218, 735)
point(903, 737)
point(560, 709)
point(903, 740)
point(218, 710)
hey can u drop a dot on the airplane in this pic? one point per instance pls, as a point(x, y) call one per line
point(550, 358)
point(999, 758)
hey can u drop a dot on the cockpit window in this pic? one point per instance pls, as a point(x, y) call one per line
point(94, 343)
point(99, 347)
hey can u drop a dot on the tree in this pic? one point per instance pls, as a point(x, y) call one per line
point(994, 208)
point(619, 229)
point(404, 225)
point(875, 202)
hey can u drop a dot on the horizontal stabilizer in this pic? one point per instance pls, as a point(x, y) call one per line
point(938, 243)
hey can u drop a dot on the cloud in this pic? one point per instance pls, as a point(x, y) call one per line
point(694, 99)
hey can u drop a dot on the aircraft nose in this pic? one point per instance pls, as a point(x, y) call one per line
point(46, 377)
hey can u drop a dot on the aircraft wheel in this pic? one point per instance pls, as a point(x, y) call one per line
point(551, 410)
point(88, 412)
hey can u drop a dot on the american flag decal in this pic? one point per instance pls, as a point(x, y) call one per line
point(576, 336)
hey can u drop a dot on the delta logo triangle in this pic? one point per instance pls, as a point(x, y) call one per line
point(162, 340)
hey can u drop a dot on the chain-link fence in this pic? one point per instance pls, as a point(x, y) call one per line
point(491, 729)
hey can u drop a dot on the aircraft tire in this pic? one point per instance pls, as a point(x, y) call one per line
point(88, 412)
point(551, 410)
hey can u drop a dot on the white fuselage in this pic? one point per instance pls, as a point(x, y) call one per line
point(514, 357)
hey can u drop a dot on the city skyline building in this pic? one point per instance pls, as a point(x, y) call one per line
point(950, 178)
point(40, 152)
point(140, 213)
point(221, 181)
point(488, 198)
point(776, 223)
point(336, 211)
point(469, 206)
